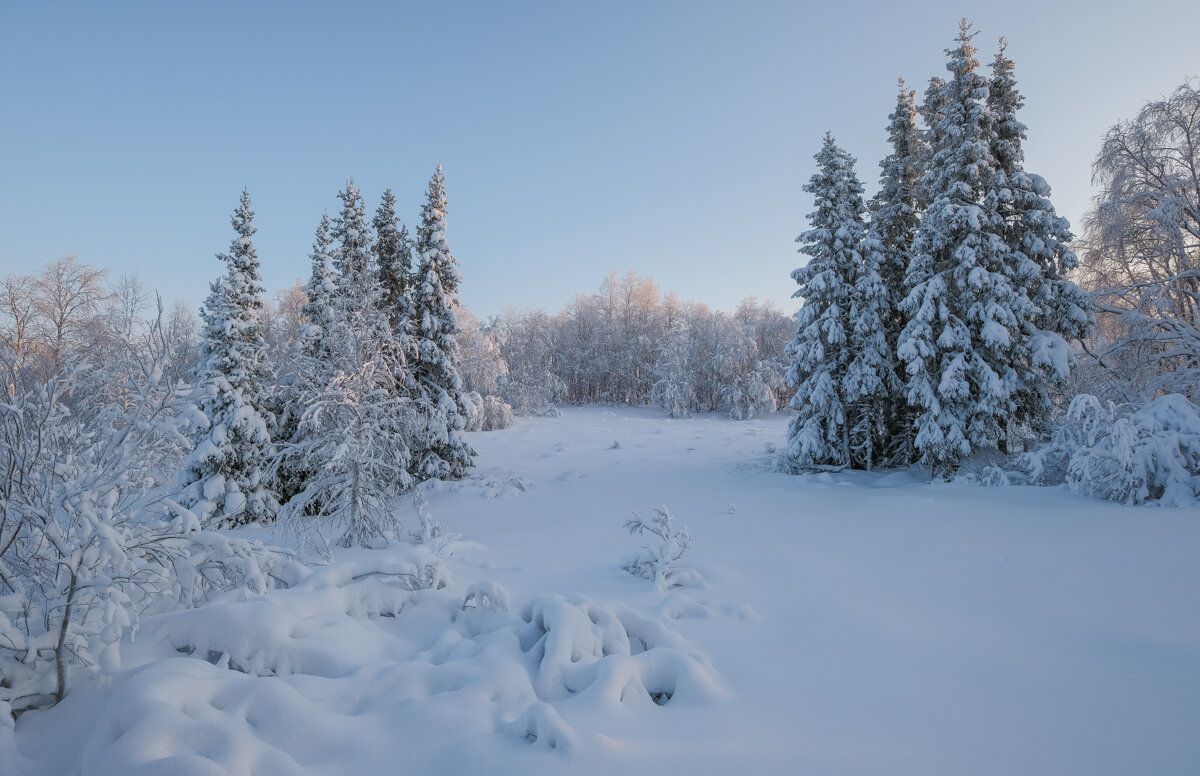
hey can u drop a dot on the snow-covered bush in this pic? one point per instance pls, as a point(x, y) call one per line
point(350, 439)
point(668, 542)
point(88, 536)
point(486, 413)
point(1151, 453)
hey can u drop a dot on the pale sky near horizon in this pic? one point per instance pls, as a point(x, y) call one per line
point(667, 138)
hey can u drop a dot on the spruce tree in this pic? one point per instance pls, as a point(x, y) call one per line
point(932, 110)
point(1037, 239)
point(225, 479)
point(895, 216)
point(321, 291)
point(313, 363)
point(393, 256)
point(353, 249)
point(871, 385)
point(393, 261)
point(437, 385)
point(963, 343)
point(822, 351)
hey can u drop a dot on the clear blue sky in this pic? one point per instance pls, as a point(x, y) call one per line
point(670, 138)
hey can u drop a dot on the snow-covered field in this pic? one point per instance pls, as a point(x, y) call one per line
point(836, 624)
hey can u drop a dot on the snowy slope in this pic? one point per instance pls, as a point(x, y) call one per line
point(845, 624)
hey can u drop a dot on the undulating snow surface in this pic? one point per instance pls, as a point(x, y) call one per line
point(832, 624)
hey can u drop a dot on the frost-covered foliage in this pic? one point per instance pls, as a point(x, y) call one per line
point(225, 479)
point(310, 363)
point(481, 365)
point(443, 450)
point(657, 560)
point(675, 390)
point(1142, 247)
point(89, 536)
point(351, 440)
point(823, 351)
point(1149, 453)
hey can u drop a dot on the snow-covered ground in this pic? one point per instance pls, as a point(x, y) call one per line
point(840, 624)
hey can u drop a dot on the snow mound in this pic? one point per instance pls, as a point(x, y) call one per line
point(326, 675)
point(494, 483)
point(320, 627)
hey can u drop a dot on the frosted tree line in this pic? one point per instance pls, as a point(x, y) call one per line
point(628, 343)
point(940, 320)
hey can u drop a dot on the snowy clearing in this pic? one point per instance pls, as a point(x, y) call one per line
point(857, 623)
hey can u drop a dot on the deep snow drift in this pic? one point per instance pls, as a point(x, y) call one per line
point(830, 624)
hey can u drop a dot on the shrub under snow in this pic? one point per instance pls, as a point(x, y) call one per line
point(656, 561)
point(1149, 454)
point(486, 413)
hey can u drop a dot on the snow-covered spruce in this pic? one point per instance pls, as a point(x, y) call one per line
point(965, 345)
point(225, 479)
point(310, 362)
point(393, 259)
point(321, 292)
point(443, 451)
point(837, 392)
point(895, 216)
point(1039, 255)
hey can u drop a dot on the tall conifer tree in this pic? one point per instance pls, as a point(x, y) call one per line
point(435, 370)
point(1038, 240)
point(822, 351)
point(225, 479)
point(393, 259)
point(353, 248)
point(393, 255)
point(962, 344)
point(895, 216)
point(321, 292)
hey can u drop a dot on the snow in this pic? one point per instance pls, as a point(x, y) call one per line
point(848, 623)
